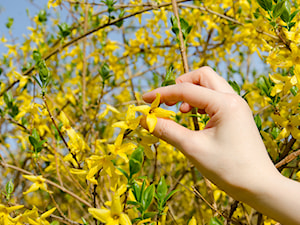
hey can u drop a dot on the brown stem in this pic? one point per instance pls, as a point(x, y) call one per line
point(59, 132)
point(184, 57)
point(3, 164)
point(288, 159)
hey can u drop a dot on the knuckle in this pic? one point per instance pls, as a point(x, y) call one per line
point(235, 103)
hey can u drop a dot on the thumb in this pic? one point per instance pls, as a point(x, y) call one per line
point(173, 133)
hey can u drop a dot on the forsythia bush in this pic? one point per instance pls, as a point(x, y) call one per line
point(71, 147)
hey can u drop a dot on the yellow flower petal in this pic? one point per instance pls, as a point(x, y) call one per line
point(159, 112)
point(48, 213)
point(100, 214)
point(120, 124)
point(116, 208)
point(156, 101)
point(193, 221)
point(124, 219)
point(143, 109)
point(33, 187)
point(13, 208)
point(151, 121)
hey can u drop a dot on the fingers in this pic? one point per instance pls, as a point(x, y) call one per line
point(172, 133)
point(193, 95)
point(206, 77)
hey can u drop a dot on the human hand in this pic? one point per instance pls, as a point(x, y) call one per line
point(229, 151)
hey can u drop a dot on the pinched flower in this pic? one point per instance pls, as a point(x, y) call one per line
point(153, 112)
point(113, 216)
point(38, 183)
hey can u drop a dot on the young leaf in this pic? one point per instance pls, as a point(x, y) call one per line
point(215, 221)
point(278, 9)
point(148, 196)
point(134, 167)
point(265, 4)
point(285, 16)
point(33, 142)
point(235, 86)
point(258, 121)
point(9, 188)
point(136, 191)
point(161, 189)
point(168, 197)
point(124, 173)
point(169, 79)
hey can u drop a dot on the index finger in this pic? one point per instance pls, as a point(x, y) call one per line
point(196, 96)
point(206, 77)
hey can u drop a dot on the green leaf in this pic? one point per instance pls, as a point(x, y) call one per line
point(33, 142)
point(148, 196)
point(124, 173)
point(235, 86)
point(149, 215)
point(64, 30)
point(133, 203)
point(168, 197)
point(9, 22)
point(37, 81)
point(36, 56)
point(136, 160)
point(215, 221)
point(169, 78)
point(104, 72)
point(9, 187)
point(257, 120)
point(84, 221)
point(35, 134)
point(265, 4)
point(8, 99)
point(294, 14)
point(278, 9)
point(275, 132)
point(285, 16)
point(41, 143)
point(55, 222)
point(136, 191)
point(161, 188)
point(134, 167)
point(42, 16)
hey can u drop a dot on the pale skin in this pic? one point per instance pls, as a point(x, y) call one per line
point(229, 151)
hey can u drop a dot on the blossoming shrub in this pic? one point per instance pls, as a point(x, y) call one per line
point(71, 147)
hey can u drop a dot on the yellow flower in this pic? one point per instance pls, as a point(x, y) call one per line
point(114, 216)
point(153, 112)
point(5, 218)
point(38, 183)
point(193, 221)
point(130, 121)
point(290, 126)
point(121, 149)
point(42, 219)
point(95, 163)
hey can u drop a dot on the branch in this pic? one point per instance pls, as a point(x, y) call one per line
point(288, 159)
point(6, 165)
point(184, 58)
point(204, 9)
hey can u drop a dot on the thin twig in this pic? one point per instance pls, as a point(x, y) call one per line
point(3, 164)
point(59, 132)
